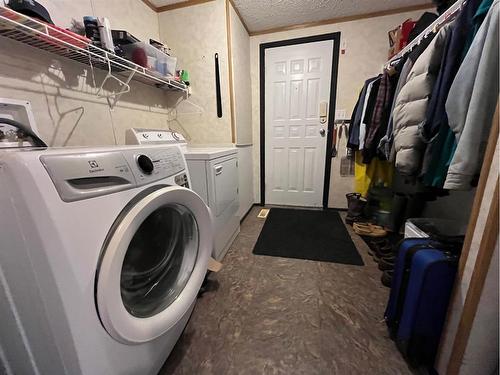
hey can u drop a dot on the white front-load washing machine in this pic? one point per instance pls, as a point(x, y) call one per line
point(103, 252)
point(215, 177)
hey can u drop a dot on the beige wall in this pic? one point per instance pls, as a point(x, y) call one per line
point(242, 91)
point(195, 34)
point(240, 47)
point(62, 92)
point(367, 45)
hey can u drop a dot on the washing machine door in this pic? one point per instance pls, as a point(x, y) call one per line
point(153, 263)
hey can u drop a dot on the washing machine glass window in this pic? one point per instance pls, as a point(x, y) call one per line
point(152, 263)
point(159, 260)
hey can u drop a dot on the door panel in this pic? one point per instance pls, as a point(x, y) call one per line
point(296, 99)
point(310, 159)
point(294, 157)
point(278, 178)
point(279, 93)
point(313, 86)
point(297, 80)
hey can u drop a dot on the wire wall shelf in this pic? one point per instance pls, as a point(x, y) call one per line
point(58, 41)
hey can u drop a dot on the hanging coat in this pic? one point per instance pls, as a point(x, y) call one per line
point(436, 131)
point(380, 118)
point(455, 50)
point(411, 105)
point(471, 103)
point(386, 144)
point(367, 110)
point(352, 139)
point(357, 116)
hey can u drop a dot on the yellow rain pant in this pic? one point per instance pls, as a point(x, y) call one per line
point(365, 175)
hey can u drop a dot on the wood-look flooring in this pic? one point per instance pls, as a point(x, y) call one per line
point(269, 315)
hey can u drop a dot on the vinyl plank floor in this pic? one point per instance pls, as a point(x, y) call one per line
point(267, 315)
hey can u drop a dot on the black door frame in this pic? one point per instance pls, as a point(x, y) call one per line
point(331, 115)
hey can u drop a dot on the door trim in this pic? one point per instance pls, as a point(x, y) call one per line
point(335, 37)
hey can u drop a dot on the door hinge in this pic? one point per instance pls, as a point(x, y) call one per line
point(237, 164)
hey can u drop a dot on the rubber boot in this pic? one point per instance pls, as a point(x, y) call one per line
point(355, 207)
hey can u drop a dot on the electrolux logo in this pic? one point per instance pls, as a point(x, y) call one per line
point(94, 167)
point(93, 164)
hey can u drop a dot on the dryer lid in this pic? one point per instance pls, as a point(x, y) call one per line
point(208, 153)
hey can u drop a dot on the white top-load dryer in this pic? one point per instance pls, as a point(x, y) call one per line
point(214, 174)
point(102, 256)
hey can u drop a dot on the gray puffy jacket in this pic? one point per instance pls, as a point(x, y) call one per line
point(411, 105)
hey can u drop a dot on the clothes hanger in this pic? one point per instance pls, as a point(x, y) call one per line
point(199, 109)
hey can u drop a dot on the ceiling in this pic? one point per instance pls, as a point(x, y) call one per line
point(267, 14)
point(261, 15)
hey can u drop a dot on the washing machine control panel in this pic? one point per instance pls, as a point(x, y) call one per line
point(145, 164)
point(78, 176)
point(154, 164)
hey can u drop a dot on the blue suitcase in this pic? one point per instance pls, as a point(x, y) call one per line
point(423, 278)
point(428, 292)
point(406, 250)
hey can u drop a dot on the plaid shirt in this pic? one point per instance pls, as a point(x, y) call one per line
point(380, 117)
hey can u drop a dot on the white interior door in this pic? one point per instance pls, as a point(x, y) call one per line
point(297, 83)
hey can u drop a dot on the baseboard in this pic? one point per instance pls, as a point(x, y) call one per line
point(221, 256)
point(246, 213)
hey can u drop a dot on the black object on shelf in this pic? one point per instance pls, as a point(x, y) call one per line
point(217, 86)
point(30, 8)
point(122, 37)
point(92, 29)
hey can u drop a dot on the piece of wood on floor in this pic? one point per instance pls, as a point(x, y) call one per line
point(263, 213)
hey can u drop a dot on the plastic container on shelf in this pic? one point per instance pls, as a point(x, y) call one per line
point(171, 65)
point(150, 58)
point(166, 64)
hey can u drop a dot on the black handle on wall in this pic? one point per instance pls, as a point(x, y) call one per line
point(217, 86)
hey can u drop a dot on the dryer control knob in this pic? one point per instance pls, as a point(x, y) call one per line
point(145, 164)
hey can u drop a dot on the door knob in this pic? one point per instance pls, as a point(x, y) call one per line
point(322, 132)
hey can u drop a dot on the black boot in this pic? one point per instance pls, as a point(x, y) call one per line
point(355, 207)
point(387, 278)
point(387, 263)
